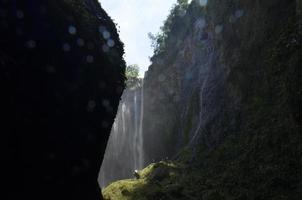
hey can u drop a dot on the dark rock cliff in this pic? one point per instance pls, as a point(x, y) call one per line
point(223, 98)
point(62, 75)
point(220, 60)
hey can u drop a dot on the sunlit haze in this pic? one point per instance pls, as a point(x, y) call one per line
point(135, 19)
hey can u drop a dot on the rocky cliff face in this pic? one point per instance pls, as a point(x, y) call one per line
point(223, 98)
point(62, 75)
point(215, 65)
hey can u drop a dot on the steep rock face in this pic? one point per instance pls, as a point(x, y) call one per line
point(226, 87)
point(60, 61)
point(215, 65)
point(171, 89)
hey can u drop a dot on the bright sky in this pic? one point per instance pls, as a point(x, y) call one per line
point(135, 19)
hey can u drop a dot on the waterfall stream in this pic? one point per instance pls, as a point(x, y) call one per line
point(140, 143)
point(124, 152)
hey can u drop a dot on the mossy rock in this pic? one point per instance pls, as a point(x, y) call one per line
point(155, 183)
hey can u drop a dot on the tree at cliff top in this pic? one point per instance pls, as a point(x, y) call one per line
point(132, 73)
point(159, 40)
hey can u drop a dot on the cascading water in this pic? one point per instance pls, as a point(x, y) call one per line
point(140, 138)
point(124, 152)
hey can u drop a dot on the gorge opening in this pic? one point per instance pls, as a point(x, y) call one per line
point(135, 19)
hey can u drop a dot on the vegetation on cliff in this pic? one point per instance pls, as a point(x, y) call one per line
point(159, 40)
point(248, 145)
point(132, 75)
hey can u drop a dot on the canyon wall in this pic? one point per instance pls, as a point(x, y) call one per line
point(62, 76)
point(223, 102)
point(218, 70)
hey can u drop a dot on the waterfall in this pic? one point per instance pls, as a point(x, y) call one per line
point(124, 152)
point(140, 138)
point(210, 53)
point(136, 134)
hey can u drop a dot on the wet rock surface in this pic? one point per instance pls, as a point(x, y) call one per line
point(215, 64)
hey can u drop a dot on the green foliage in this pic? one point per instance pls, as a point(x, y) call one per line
point(132, 71)
point(155, 182)
point(132, 75)
point(159, 40)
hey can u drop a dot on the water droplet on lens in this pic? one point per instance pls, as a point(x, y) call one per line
point(51, 69)
point(20, 14)
point(239, 13)
point(89, 59)
point(105, 103)
point(80, 42)
point(31, 44)
point(66, 47)
point(200, 24)
point(106, 35)
point(101, 29)
point(218, 29)
point(110, 43)
point(72, 30)
point(52, 156)
point(91, 105)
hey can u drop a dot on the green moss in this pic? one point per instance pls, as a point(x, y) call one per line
point(156, 181)
point(258, 166)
